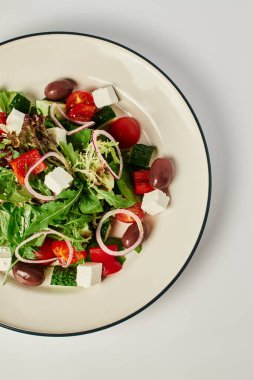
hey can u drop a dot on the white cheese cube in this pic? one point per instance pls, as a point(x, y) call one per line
point(88, 274)
point(58, 134)
point(15, 121)
point(154, 202)
point(5, 259)
point(58, 180)
point(105, 96)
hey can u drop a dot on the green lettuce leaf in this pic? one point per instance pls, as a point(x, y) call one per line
point(89, 203)
point(117, 201)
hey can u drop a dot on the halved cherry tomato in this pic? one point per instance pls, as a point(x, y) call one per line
point(110, 263)
point(60, 249)
point(22, 164)
point(136, 209)
point(82, 112)
point(126, 131)
point(45, 252)
point(3, 117)
point(78, 97)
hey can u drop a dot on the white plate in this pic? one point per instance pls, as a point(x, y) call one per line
point(28, 64)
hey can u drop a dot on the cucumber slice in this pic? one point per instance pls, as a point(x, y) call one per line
point(43, 106)
point(20, 103)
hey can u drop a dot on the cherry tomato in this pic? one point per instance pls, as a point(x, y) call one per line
point(45, 252)
point(126, 131)
point(60, 249)
point(3, 117)
point(136, 209)
point(82, 112)
point(78, 97)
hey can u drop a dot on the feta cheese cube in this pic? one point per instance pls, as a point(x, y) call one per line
point(88, 274)
point(154, 202)
point(15, 121)
point(5, 259)
point(58, 180)
point(105, 96)
point(58, 134)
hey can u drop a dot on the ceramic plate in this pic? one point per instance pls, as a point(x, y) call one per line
point(167, 120)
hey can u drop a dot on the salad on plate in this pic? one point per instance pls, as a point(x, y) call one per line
point(71, 172)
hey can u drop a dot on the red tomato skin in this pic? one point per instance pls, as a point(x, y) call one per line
point(60, 250)
point(78, 97)
point(82, 112)
point(110, 263)
point(136, 209)
point(21, 164)
point(126, 130)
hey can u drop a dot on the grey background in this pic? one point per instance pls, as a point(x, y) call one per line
point(202, 327)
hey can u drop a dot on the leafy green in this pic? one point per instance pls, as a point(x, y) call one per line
point(20, 219)
point(125, 186)
point(53, 212)
point(114, 200)
point(33, 135)
point(89, 203)
point(80, 140)
point(71, 155)
point(10, 191)
point(4, 102)
point(4, 221)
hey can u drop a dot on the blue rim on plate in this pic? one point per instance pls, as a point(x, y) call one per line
point(208, 198)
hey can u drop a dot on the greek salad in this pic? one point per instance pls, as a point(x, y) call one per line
point(70, 169)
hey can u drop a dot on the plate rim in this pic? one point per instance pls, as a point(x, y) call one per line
point(37, 333)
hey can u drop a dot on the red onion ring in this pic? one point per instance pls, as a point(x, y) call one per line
point(125, 251)
point(56, 121)
point(95, 135)
point(28, 187)
point(38, 234)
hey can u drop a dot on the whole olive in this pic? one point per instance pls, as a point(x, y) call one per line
point(59, 89)
point(29, 274)
point(132, 233)
point(160, 173)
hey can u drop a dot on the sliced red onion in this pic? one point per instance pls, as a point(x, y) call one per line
point(57, 122)
point(95, 135)
point(38, 234)
point(113, 213)
point(29, 188)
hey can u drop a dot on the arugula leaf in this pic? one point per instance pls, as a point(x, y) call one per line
point(76, 228)
point(53, 212)
point(89, 203)
point(10, 191)
point(114, 200)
